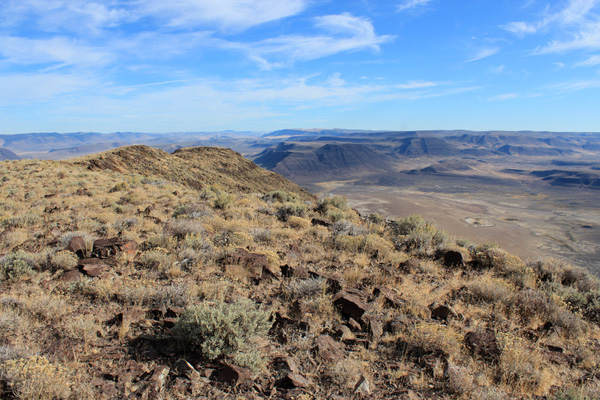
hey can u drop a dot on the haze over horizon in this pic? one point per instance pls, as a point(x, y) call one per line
point(195, 65)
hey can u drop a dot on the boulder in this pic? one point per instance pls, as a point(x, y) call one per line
point(77, 246)
point(328, 349)
point(93, 267)
point(442, 312)
point(293, 380)
point(234, 375)
point(350, 305)
point(391, 298)
point(453, 258)
point(73, 275)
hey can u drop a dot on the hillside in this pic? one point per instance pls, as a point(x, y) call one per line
point(140, 274)
point(196, 167)
point(6, 154)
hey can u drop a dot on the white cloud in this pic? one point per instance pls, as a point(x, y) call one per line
point(228, 15)
point(520, 28)
point(342, 33)
point(577, 25)
point(89, 17)
point(573, 86)
point(503, 97)
point(483, 53)
point(58, 50)
point(498, 69)
point(27, 89)
point(412, 4)
point(415, 85)
point(592, 61)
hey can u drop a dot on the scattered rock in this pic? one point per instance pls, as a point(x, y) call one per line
point(285, 363)
point(333, 283)
point(296, 272)
point(320, 222)
point(293, 380)
point(343, 333)
point(93, 267)
point(392, 299)
point(453, 258)
point(363, 387)
point(157, 382)
point(183, 368)
point(442, 312)
point(350, 305)
point(354, 325)
point(410, 267)
point(77, 246)
point(257, 265)
point(111, 248)
point(328, 349)
point(234, 375)
point(73, 275)
point(484, 345)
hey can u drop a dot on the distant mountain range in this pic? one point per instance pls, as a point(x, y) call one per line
point(308, 155)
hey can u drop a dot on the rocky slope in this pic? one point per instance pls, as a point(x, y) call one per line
point(140, 274)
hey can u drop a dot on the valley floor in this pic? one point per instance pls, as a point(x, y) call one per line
point(530, 225)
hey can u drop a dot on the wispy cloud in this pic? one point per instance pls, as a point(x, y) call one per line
point(415, 85)
point(504, 97)
point(412, 4)
point(577, 26)
point(59, 51)
point(483, 53)
point(592, 61)
point(227, 15)
point(341, 33)
point(573, 86)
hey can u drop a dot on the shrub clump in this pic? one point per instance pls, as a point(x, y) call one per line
point(16, 266)
point(35, 378)
point(414, 233)
point(224, 330)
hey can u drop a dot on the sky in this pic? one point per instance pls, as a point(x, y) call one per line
point(263, 65)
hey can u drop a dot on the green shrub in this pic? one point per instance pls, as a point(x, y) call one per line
point(325, 204)
point(280, 196)
point(224, 329)
point(289, 209)
point(223, 200)
point(16, 266)
point(414, 233)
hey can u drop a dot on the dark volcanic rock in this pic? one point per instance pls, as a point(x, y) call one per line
point(234, 375)
point(328, 349)
point(293, 380)
point(350, 305)
point(453, 259)
point(484, 345)
point(77, 246)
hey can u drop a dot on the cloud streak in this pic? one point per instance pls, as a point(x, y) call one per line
point(412, 4)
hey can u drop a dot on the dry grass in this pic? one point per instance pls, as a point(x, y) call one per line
point(185, 212)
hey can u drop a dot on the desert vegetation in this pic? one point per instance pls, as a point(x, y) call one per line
point(122, 277)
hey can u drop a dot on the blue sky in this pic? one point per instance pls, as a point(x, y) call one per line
point(208, 65)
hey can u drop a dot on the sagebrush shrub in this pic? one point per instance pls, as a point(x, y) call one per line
point(16, 266)
point(35, 378)
point(223, 329)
